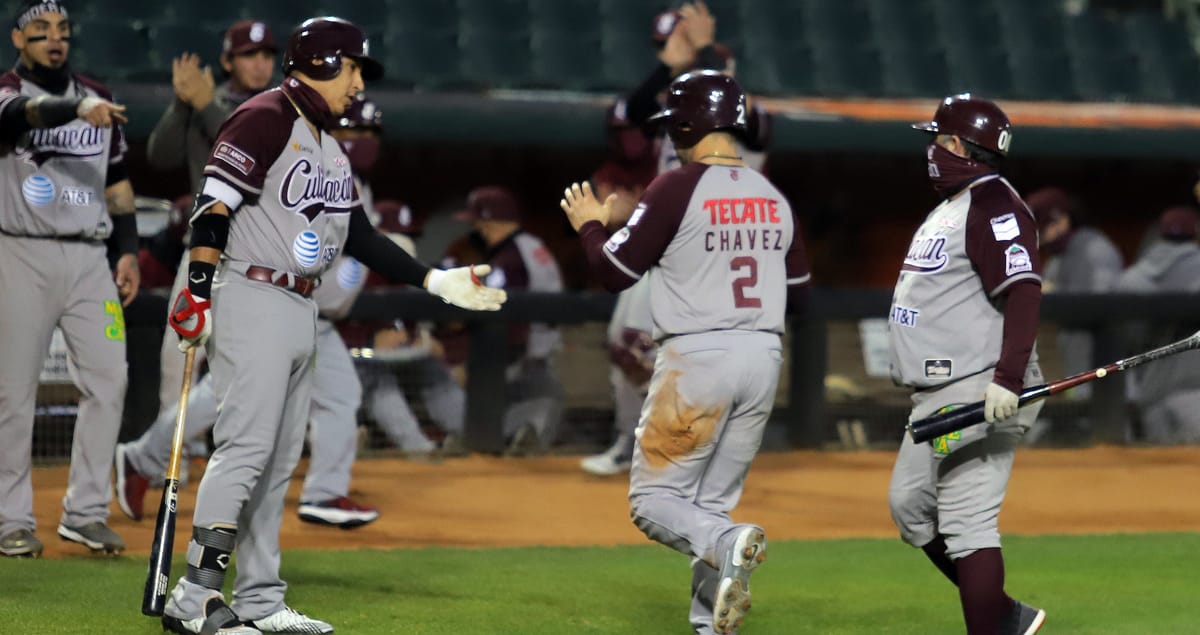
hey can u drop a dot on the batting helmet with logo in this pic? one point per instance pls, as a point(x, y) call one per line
point(317, 46)
point(702, 102)
point(973, 119)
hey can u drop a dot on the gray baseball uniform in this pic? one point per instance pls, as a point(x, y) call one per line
point(293, 194)
point(946, 333)
point(53, 272)
point(718, 248)
point(1168, 392)
point(336, 395)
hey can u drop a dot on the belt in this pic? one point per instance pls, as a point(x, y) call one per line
point(70, 238)
point(297, 284)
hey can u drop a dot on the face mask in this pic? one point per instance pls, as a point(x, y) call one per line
point(950, 172)
point(362, 152)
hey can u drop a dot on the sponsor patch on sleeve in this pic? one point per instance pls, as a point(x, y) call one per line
point(637, 215)
point(234, 156)
point(1016, 260)
point(1005, 227)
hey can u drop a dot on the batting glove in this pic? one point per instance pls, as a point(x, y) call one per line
point(461, 287)
point(999, 403)
point(191, 317)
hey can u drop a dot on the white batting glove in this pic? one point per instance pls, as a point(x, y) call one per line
point(461, 287)
point(191, 318)
point(999, 403)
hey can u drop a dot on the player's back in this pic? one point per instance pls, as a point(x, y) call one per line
point(725, 268)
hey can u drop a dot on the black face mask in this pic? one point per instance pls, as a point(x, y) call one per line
point(950, 172)
point(52, 80)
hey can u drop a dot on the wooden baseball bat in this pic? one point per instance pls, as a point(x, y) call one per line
point(154, 594)
point(935, 426)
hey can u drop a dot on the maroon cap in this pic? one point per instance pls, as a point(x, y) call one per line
point(248, 36)
point(664, 24)
point(396, 217)
point(1178, 223)
point(973, 119)
point(1046, 201)
point(490, 203)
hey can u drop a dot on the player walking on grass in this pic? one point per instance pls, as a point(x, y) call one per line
point(963, 322)
point(278, 206)
point(718, 246)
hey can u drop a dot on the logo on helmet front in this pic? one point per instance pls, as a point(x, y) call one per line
point(1004, 140)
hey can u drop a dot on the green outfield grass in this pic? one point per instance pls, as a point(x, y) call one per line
point(1105, 585)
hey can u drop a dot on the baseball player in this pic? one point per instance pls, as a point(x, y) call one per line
point(336, 389)
point(718, 247)
point(1168, 391)
point(184, 137)
point(62, 161)
point(963, 322)
point(277, 208)
point(518, 260)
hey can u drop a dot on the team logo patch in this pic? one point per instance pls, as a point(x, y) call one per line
point(240, 160)
point(617, 239)
point(939, 368)
point(1017, 260)
point(78, 196)
point(38, 190)
point(638, 212)
point(350, 273)
point(306, 248)
point(1005, 227)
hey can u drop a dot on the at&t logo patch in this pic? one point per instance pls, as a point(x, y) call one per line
point(38, 190)
point(306, 248)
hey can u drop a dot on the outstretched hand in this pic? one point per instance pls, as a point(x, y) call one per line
point(581, 205)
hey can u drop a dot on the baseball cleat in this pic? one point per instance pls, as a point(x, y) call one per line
point(289, 620)
point(340, 512)
point(131, 486)
point(605, 465)
point(95, 536)
point(748, 550)
point(20, 544)
point(1024, 620)
point(218, 619)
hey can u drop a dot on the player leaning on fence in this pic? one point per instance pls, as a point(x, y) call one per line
point(64, 194)
point(963, 321)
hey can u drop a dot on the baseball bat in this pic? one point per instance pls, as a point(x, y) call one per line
point(937, 425)
point(154, 594)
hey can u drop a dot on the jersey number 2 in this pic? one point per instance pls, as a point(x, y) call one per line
point(745, 281)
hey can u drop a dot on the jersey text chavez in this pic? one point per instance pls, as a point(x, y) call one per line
point(743, 211)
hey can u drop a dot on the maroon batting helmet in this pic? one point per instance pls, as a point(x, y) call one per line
point(362, 113)
point(973, 119)
point(317, 47)
point(702, 102)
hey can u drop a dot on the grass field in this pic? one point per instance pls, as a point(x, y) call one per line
point(1119, 584)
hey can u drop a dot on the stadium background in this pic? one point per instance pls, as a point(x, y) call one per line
point(1106, 102)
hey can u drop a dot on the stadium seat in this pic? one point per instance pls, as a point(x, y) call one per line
point(168, 41)
point(841, 20)
point(224, 12)
point(559, 30)
point(912, 73)
point(846, 70)
point(776, 69)
point(907, 26)
point(111, 50)
point(365, 13)
point(626, 49)
point(1167, 63)
point(289, 12)
point(984, 71)
point(420, 57)
point(1043, 76)
point(494, 42)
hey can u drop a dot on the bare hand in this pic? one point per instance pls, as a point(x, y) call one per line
point(581, 205)
point(128, 278)
point(203, 95)
point(187, 77)
point(699, 25)
point(678, 54)
point(101, 113)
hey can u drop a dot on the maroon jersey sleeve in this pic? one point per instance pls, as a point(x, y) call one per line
point(621, 259)
point(250, 141)
point(10, 88)
point(117, 146)
point(1002, 243)
point(1002, 239)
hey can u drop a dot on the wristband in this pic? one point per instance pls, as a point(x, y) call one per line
point(200, 277)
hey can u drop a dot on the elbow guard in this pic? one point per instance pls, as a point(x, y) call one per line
point(209, 230)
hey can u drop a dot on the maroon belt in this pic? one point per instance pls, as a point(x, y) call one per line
point(296, 284)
